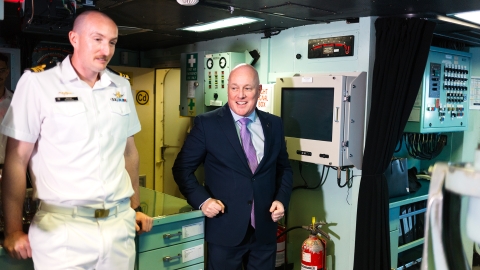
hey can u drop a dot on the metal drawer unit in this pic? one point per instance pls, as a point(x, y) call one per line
point(173, 257)
point(394, 221)
point(176, 239)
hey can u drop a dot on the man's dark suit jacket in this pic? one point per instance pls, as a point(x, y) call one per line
point(214, 141)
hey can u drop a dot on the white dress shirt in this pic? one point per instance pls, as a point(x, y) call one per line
point(80, 135)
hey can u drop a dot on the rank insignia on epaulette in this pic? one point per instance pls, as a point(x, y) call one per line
point(119, 73)
point(42, 67)
point(39, 68)
point(124, 76)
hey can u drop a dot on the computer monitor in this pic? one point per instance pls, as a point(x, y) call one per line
point(323, 117)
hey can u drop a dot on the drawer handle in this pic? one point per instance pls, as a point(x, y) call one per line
point(168, 258)
point(168, 236)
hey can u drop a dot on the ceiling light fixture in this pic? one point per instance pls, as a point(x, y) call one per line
point(457, 21)
point(187, 2)
point(471, 16)
point(230, 22)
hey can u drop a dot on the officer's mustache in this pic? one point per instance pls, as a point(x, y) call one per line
point(103, 57)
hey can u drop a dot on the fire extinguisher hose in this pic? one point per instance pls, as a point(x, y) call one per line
point(289, 229)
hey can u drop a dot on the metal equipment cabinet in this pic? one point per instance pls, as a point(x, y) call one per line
point(176, 239)
point(394, 219)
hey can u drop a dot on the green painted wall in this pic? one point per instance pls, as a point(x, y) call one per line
point(335, 205)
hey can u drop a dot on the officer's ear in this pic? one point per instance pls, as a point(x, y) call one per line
point(73, 37)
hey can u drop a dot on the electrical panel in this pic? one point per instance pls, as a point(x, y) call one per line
point(217, 70)
point(204, 80)
point(443, 99)
point(192, 94)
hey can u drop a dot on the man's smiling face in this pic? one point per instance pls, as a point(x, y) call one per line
point(243, 90)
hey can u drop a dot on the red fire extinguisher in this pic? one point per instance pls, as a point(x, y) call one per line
point(314, 249)
point(281, 246)
point(312, 254)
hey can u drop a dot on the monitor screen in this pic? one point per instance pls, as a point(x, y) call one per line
point(307, 113)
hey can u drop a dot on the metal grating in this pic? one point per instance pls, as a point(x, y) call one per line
point(298, 10)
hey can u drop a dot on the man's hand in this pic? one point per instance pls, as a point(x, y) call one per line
point(17, 245)
point(212, 207)
point(143, 223)
point(277, 211)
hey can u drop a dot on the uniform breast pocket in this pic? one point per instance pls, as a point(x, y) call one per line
point(71, 122)
point(120, 112)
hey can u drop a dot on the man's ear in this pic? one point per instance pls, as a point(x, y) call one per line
point(259, 90)
point(73, 37)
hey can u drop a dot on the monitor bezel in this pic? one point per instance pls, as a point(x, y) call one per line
point(322, 152)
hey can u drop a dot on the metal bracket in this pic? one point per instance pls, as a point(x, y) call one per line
point(168, 236)
point(170, 258)
point(162, 151)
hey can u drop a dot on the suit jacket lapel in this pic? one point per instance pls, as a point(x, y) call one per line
point(267, 133)
point(227, 125)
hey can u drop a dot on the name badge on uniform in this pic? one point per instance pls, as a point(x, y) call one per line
point(61, 99)
point(118, 97)
point(65, 97)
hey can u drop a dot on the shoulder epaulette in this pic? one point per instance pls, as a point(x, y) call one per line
point(119, 73)
point(42, 67)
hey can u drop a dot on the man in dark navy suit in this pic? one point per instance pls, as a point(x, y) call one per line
point(248, 178)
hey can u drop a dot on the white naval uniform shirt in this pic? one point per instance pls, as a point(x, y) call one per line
point(78, 158)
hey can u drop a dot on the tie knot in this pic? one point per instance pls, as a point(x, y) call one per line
point(244, 121)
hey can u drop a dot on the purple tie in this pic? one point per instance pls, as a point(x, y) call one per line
point(250, 153)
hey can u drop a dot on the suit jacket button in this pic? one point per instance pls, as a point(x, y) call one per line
point(253, 179)
point(249, 202)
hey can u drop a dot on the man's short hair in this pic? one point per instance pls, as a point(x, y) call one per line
point(79, 20)
point(4, 58)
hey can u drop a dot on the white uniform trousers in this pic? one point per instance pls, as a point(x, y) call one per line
point(62, 241)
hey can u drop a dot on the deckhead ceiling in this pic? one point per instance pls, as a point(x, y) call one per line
point(153, 24)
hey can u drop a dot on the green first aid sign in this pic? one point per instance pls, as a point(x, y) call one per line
point(192, 60)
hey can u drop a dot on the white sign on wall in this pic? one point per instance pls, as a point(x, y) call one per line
point(265, 101)
point(475, 93)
